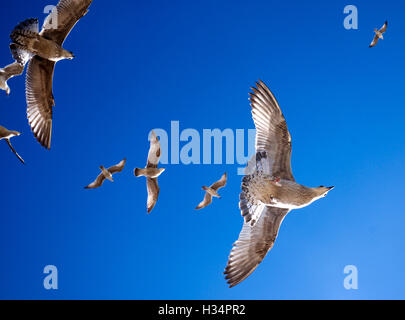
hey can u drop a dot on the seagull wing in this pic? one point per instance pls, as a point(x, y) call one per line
point(375, 41)
point(12, 70)
point(15, 152)
point(154, 151)
point(117, 168)
point(68, 13)
point(97, 183)
point(220, 183)
point(253, 245)
point(384, 27)
point(273, 139)
point(207, 201)
point(40, 101)
point(153, 193)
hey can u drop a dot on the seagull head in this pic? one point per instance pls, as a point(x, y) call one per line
point(323, 191)
point(67, 55)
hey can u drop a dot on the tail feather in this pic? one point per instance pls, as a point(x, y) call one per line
point(138, 172)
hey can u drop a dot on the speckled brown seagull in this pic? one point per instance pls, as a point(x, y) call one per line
point(152, 172)
point(379, 34)
point(269, 190)
point(106, 174)
point(6, 135)
point(45, 49)
point(12, 70)
point(212, 191)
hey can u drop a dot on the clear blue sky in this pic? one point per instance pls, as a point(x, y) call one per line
point(141, 65)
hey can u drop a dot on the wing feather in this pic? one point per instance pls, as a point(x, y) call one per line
point(14, 151)
point(375, 41)
point(220, 183)
point(384, 27)
point(40, 101)
point(13, 69)
point(154, 151)
point(96, 183)
point(117, 168)
point(207, 201)
point(69, 12)
point(253, 245)
point(153, 193)
point(272, 135)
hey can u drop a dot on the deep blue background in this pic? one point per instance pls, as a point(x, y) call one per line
point(140, 65)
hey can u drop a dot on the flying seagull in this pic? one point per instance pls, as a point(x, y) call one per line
point(212, 191)
point(12, 70)
point(7, 135)
point(44, 49)
point(106, 174)
point(269, 190)
point(379, 34)
point(152, 172)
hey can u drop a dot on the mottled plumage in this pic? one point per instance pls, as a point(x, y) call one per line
point(44, 49)
point(269, 190)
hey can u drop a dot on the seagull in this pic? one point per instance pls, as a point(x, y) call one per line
point(12, 70)
point(7, 135)
point(269, 191)
point(44, 49)
point(106, 174)
point(212, 192)
point(379, 34)
point(152, 172)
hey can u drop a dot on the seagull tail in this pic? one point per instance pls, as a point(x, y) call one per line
point(139, 172)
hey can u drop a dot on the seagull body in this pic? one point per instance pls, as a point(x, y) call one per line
point(269, 190)
point(43, 49)
point(12, 70)
point(152, 172)
point(212, 191)
point(379, 34)
point(6, 135)
point(149, 172)
point(106, 174)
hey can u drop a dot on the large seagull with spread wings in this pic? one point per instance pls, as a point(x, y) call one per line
point(269, 190)
point(43, 49)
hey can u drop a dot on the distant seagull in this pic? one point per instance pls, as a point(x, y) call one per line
point(106, 174)
point(151, 172)
point(7, 135)
point(45, 48)
point(12, 70)
point(212, 192)
point(269, 190)
point(379, 34)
